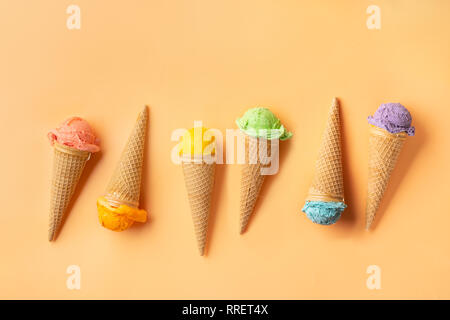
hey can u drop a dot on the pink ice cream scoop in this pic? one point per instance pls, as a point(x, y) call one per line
point(76, 133)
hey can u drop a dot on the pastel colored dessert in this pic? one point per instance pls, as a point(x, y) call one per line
point(199, 173)
point(256, 123)
point(75, 133)
point(73, 142)
point(262, 123)
point(119, 209)
point(325, 200)
point(392, 117)
point(388, 127)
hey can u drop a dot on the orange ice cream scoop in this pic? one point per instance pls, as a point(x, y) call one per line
point(118, 218)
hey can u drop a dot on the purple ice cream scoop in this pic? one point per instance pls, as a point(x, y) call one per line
point(392, 117)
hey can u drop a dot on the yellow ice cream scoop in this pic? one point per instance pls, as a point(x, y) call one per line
point(197, 141)
point(118, 218)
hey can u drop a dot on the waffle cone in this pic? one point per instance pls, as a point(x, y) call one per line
point(125, 184)
point(251, 179)
point(199, 179)
point(68, 164)
point(384, 148)
point(328, 182)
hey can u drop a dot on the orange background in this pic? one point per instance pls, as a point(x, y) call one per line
point(210, 61)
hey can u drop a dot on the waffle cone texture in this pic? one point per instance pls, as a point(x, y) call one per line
point(251, 179)
point(384, 149)
point(68, 165)
point(125, 184)
point(328, 181)
point(199, 180)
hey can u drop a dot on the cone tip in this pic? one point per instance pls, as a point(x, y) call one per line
point(335, 102)
point(144, 111)
point(368, 222)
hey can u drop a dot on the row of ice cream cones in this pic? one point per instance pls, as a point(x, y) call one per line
point(118, 209)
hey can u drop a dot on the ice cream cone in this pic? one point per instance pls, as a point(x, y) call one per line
point(125, 184)
point(261, 128)
point(251, 178)
point(67, 168)
point(199, 179)
point(328, 182)
point(384, 148)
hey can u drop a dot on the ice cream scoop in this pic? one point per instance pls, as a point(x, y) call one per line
point(392, 117)
point(262, 123)
point(76, 133)
point(197, 141)
point(324, 212)
point(120, 217)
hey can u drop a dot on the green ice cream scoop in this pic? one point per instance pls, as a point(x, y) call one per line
point(262, 123)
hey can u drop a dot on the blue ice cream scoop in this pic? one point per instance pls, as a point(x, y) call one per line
point(324, 213)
